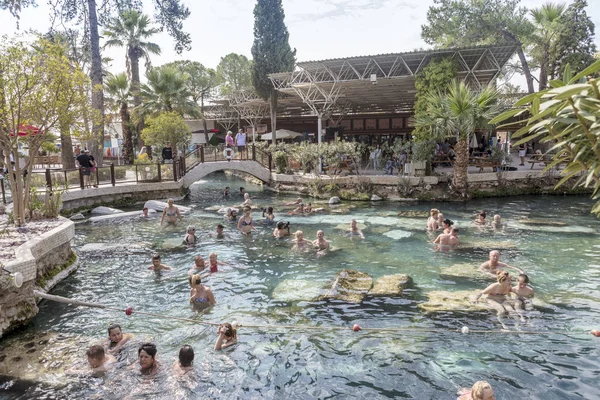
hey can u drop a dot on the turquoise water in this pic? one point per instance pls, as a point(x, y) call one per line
point(562, 262)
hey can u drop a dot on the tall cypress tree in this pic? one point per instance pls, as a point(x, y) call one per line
point(271, 52)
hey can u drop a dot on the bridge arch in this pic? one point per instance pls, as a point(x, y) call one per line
point(250, 167)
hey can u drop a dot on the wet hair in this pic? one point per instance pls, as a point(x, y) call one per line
point(95, 351)
point(280, 225)
point(191, 228)
point(242, 188)
point(231, 332)
point(247, 209)
point(145, 209)
point(220, 226)
point(478, 388)
point(155, 256)
point(501, 275)
point(186, 356)
point(170, 201)
point(270, 210)
point(113, 326)
point(195, 279)
point(525, 278)
point(298, 233)
point(149, 348)
point(213, 254)
point(482, 214)
point(448, 222)
point(434, 212)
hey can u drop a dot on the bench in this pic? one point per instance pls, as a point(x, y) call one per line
point(537, 159)
point(487, 164)
point(442, 160)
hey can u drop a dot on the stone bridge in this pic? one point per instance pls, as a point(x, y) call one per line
point(253, 168)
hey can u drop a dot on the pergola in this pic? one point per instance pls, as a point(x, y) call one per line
point(382, 83)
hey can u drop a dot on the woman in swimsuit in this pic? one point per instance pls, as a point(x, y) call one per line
point(200, 295)
point(172, 213)
point(245, 223)
point(432, 223)
point(481, 390)
point(227, 336)
point(496, 295)
point(447, 225)
point(147, 359)
point(190, 237)
point(354, 231)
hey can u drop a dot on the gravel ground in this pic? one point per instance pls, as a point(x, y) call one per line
point(12, 237)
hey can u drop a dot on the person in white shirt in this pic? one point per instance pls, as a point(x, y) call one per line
point(240, 141)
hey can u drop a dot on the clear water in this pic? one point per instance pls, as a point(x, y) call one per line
point(563, 264)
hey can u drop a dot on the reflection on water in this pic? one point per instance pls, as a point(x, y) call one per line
point(562, 263)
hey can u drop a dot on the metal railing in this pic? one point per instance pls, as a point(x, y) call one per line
point(204, 154)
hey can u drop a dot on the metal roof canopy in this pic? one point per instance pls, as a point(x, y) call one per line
point(382, 83)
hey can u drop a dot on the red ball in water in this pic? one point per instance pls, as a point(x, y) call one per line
point(595, 332)
point(356, 328)
point(129, 311)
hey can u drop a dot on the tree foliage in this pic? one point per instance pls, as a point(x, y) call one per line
point(459, 23)
point(168, 127)
point(235, 72)
point(38, 89)
point(271, 51)
point(574, 43)
point(567, 116)
point(118, 98)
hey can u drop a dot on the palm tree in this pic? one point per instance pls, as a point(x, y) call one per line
point(119, 94)
point(546, 21)
point(131, 30)
point(458, 113)
point(166, 90)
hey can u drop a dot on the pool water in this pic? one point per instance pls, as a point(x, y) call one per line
point(562, 262)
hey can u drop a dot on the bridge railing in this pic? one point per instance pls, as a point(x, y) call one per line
point(204, 154)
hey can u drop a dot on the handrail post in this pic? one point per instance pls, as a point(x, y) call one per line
point(202, 153)
point(159, 171)
point(253, 152)
point(81, 178)
point(174, 171)
point(270, 163)
point(3, 190)
point(48, 179)
point(136, 174)
point(112, 174)
point(182, 169)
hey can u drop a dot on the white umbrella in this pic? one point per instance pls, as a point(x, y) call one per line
point(282, 134)
point(474, 143)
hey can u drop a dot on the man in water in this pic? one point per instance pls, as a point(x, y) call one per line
point(199, 265)
point(97, 360)
point(321, 243)
point(446, 241)
point(156, 264)
point(226, 192)
point(493, 264)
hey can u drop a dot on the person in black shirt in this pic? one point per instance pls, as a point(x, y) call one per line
point(86, 162)
point(167, 153)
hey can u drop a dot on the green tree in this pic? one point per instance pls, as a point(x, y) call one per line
point(458, 112)
point(166, 90)
point(546, 22)
point(271, 52)
point(168, 127)
point(235, 71)
point(38, 89)
point(460, 23)
point(574, 44)
point(119, 95)
point(567, 116)
point(200, 82)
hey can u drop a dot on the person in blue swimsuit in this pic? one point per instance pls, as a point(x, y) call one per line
point(245, 222)
point(200, 295)
point(171, 212)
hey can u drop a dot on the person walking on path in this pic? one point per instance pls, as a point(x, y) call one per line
point(240, 141)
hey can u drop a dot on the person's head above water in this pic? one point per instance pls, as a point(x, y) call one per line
point(502, 276)
point(156, 259)
point(320, 234)
point(434, 212)
point(494, 255)
point(482, 214)
point(246, 196)
point(170, 202)
point(482, 390)
point(195, 280)
point(220, 228)
point(353, 224)
point(497, 218)
point(95, 355)
point(448, 222)
point(199, 261)
point(299, 235)
point(186, 356)
point(191, 229)
point(522, 280)
point(114, 333)
point(147, 355)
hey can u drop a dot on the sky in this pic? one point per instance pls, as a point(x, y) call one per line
point(319, 29)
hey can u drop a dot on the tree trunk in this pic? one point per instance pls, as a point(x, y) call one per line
point(461, 163)
point(204, 126)
point(128, 152)
point(543, 81)
point(273, 107)
point(134, 62)
point(67, 157)
point(522, 58)
point(97, 88)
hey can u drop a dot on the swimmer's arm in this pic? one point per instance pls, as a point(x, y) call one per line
point(163, 215)
point(119, 346)
point(239, 223)
point(229, 343)
point(165, 267)
point(179, 214)
point(211, 297)
point(484, 268)
point(437, 239)
point(360, 233)
point(504, 265)
point(487, 290)
point(219, 343)
point(151, 267)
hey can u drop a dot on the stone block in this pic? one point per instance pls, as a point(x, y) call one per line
point(349, 285)
point(390, 285)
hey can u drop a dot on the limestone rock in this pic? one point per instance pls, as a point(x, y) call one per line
point(111, 249)
point(129, 214)
point(413, 214)
point(334, 200)
point(105, 210)
point(541, 222)
point(161, 205)
point(487, 245)
point(390, 285)
point(463, 272)
point(461, 300)
point(375, 198)
point(77, 217)
point(350, 286)
point(213, 208)
point(297, 290)
point(397, 234)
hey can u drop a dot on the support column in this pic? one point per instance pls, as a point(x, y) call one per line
point(320, 139)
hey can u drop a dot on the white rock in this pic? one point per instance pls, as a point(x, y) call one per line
point(334, 200)
point(161, 205)
point(105, 210)
point(375, 198)
point(77, 217)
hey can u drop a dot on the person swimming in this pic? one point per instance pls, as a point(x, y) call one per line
point(497, 222)
point(354, 231)
point(432, 221)
point(116, 338)
point(269, 217)
point(157, 266)
point(147, 359)
point(199, 265)
point(321, 244)
point(496, 296)
point(524, 295)
point(185, 363)
point(480, 220)
point(281, 230)
point(214, 263)
point(98, 361)
point(493, 264)
point(200, 295)
point(299, 242)
point(190, 238)
point(481, 390)
point(447, 226)
point(227, 336)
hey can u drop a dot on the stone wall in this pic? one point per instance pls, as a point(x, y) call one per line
point(35, 260)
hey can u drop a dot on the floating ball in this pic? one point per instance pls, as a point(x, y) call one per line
point(465, 329)
point(129, 310)
point(595, 332)
point(356, 328)
point(235, 324)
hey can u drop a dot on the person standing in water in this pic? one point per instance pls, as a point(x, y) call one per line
point(190, 237)
point(157, 266)
point(185, 363)
point(493, 264)
point(116, 338)
point(245, 222)
point(299, 242)
point(432, 222)
point(354, 231)
point(496, 296)
point(524, 295)
point(171, 212)
point(320, 243)
point(198, 267)
point(200, 295)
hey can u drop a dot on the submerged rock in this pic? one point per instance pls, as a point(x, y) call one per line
point(213, 208)
point(390, 285)
point(334, 200)
point(105, 210)
point(541, 222)
point(440, 300)
point(161, 205)
point(397, 234)
point(349, 285)
point(375, 198)
point(487, 245)
point(77, 217)
point(112, 249)
point(297, 290)
point(464, 271)
point(413, 214)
